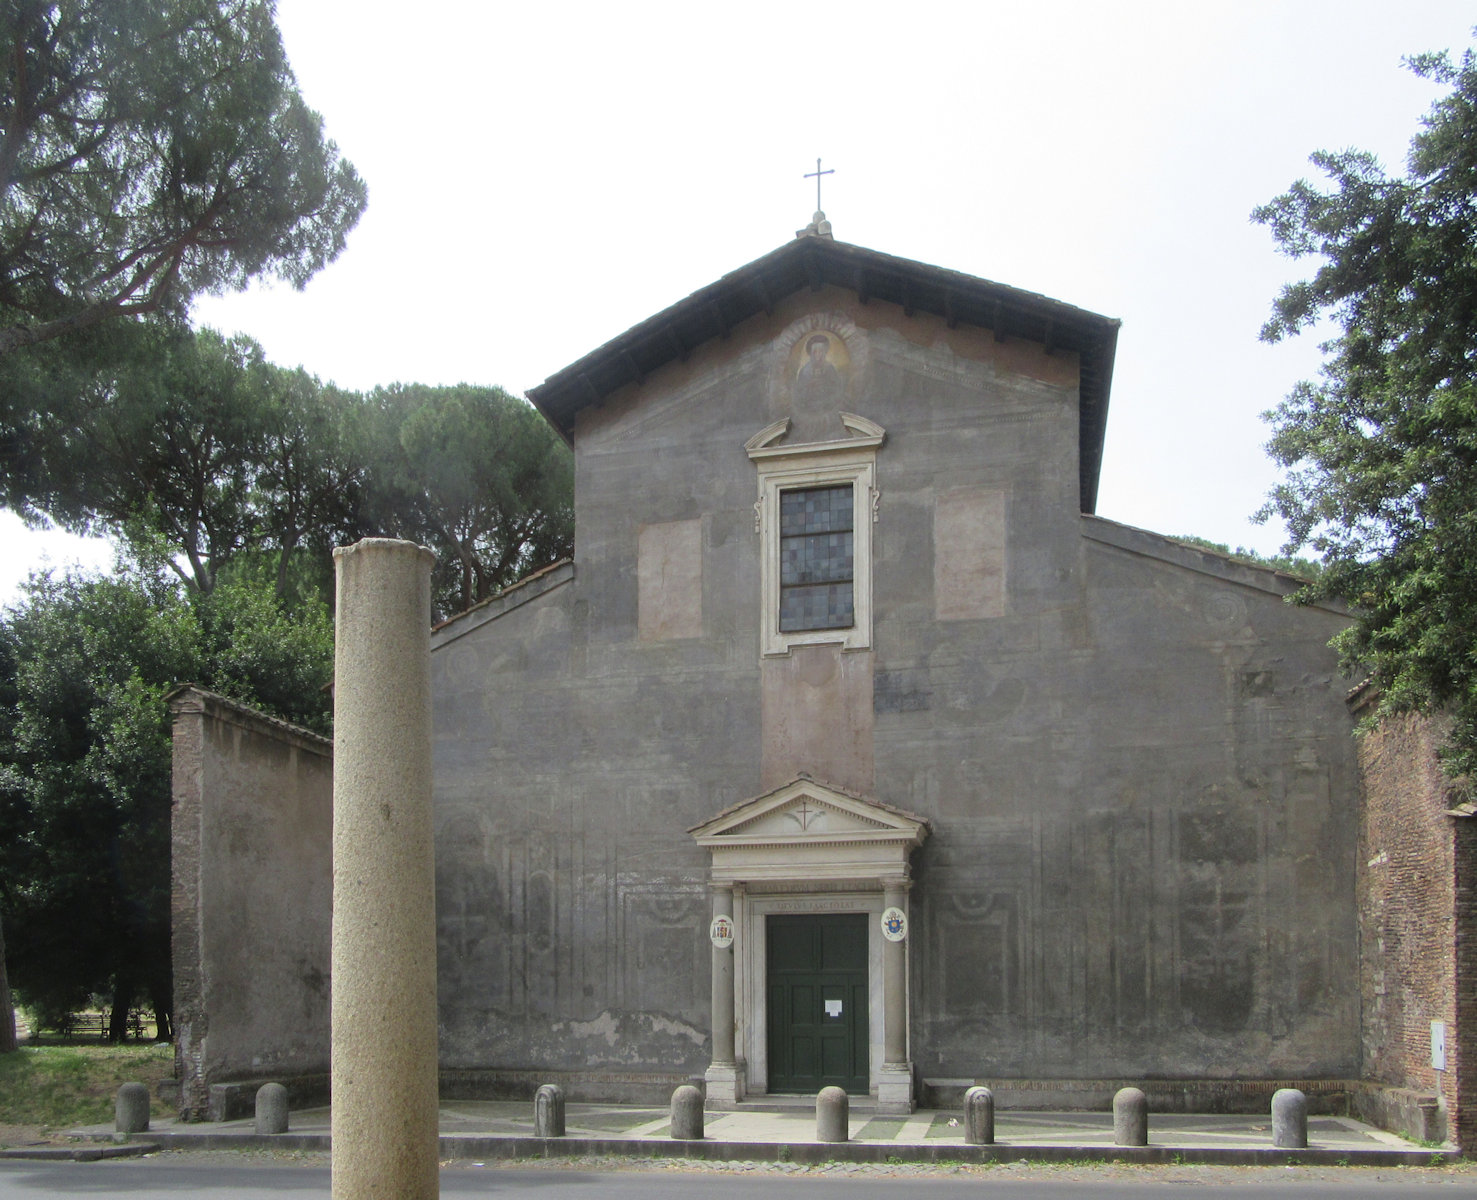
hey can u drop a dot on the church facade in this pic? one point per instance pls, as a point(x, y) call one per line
point(852, 747)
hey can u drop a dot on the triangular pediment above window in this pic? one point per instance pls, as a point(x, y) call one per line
point(808, 829)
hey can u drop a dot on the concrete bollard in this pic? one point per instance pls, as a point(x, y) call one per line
point(687, 1114)
point(831, 1115)
point(131, 1109)
point(979, 1116)
point(1130, 1118)
point(1289, 1119)
point(271, 1109)
point(548, 1111)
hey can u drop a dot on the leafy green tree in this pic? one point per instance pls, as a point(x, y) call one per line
point(42, 388)
point(85, 664)
point(161, 450)
point(84, 793)
point(196, 452)
point(151, 150)
point(474, 473)
point(274, 654)
point(308, 479)
point(1381, 450)
point(193, 450)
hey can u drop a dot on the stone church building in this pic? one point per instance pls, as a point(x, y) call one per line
point(851, 748)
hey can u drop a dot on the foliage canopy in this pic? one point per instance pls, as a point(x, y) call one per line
point(151, 150)
point(1381, 450)
point(85, 664)
point(197, 453)
point(475, 474)
point(194, 450)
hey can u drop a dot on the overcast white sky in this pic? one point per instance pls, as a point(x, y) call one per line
point(543, 176)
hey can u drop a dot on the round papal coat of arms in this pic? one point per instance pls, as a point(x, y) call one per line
point(894, 924)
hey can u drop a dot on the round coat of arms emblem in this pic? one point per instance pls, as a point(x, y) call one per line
point(894, 924)
point(721, 932)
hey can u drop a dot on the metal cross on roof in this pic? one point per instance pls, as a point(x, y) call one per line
point(816, 175)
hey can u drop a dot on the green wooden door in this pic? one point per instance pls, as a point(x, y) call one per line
point(817, 1016)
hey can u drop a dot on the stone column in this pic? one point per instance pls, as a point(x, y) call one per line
point(384, 1119)
point(895, 1083)
point(723, 984)
point(724, 1085)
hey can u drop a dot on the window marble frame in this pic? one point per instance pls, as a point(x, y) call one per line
point(781, 468)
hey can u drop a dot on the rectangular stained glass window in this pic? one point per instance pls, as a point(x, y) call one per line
point(816, 559)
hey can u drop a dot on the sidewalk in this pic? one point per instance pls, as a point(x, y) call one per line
point(786, 1133)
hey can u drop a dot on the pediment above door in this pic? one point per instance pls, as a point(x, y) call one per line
point(806, 831)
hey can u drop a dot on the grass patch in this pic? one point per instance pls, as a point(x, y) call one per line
point(64, 1086)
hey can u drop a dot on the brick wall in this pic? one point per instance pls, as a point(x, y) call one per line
point(1461, 1048)
point(1416, 895)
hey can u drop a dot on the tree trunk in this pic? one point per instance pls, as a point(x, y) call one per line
point(162, 999)
point(122, 1002)
point(7, 1013)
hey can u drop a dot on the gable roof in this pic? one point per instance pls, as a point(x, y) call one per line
point(813, 262)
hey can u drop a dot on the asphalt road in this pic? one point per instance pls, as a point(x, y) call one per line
point(226, 1175)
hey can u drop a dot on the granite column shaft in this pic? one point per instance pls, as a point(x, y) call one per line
point(383, 1067)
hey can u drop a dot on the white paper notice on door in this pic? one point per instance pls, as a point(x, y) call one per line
point(833, 1008)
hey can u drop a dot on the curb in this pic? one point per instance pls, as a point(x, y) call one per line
point(816, 1153)
point(82, 1153)
point(463, 1146)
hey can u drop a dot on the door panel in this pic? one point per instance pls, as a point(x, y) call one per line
point(817, 987)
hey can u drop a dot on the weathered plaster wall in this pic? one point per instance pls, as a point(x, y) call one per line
point(1134, 756)
point(252, 827)
point(1144, 840)
point(1416, 914)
